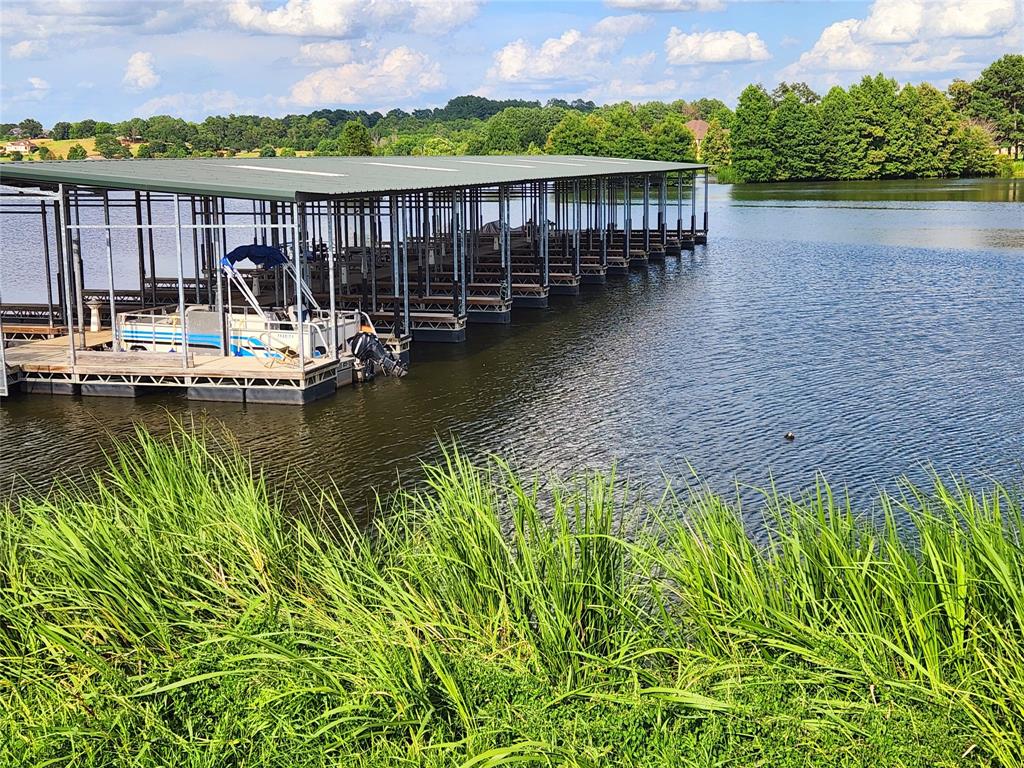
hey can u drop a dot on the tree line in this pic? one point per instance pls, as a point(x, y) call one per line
point(873, 129)
point(879, 129)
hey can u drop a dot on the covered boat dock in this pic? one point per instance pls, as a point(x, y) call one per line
point(419, 248)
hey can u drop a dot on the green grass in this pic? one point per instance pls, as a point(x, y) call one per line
point(174, 613)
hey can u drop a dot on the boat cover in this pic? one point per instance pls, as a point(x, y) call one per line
point(265, 256)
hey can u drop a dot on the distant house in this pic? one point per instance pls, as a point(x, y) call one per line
point(127, 141)
point(21, 145)
point(699, 129)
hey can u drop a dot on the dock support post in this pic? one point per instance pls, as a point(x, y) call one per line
point(65, 234)
point(140, 247)
point(46, 267)
point(333, 297)
point(543, 212)
point(195, 243)
point(110, 270)
point(679, 207)
point(78, 272)
point(662, 207)
point(458, 254)
point(58, 241)
point(577, 216)
point(406, 326)
point(627, 217)
point(393, 226)
point(693, 207)
point(181, 282)
point(152, 257)
point(647, 213)
point(503, 242)
point(297, 257)
point(601, 216)
point(705, 201)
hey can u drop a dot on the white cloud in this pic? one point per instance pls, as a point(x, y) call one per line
point(27, 49)
point(903, 36)
point(334, 52)
point(904, 21)
point(41, 19)
point(975, 18)
point(139, 74)
point(714, 47)
point(572, 56)
point(394, 75)
point(624, 26)
point(667, 5)
point(350, 18)
point(199, 105)
point(38, 90)
point(616, 90)
point(893, 21)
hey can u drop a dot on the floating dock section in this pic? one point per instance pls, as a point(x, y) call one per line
point(418, 249)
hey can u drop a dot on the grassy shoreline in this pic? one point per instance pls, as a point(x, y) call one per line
point(174, 614)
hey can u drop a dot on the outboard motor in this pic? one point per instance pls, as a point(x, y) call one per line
point(376, 357)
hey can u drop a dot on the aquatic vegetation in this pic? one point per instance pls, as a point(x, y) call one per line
point(174, 613)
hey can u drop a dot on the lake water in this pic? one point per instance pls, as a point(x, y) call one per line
point(881, 322)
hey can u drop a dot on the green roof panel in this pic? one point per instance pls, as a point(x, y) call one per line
point(310, 178)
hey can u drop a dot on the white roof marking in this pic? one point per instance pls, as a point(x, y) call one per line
point(415, 167)
point(286, 170)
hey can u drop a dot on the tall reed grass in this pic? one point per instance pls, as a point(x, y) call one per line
point(174, 614)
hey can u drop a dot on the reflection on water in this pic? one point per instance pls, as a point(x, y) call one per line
point(888, 337)
point(930, 190)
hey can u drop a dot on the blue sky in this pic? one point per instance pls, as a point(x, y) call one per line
point(114, 59)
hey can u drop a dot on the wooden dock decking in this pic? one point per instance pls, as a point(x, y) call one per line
point(44, 365)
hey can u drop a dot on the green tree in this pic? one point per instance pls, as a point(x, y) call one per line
point(397, 145)
point(144, 151)
point(903, 135)
point(651, 113)
point(621, 135)
point(327, 147)
point(176, 150)
point(60, 131)
point(801, 90)
point(16, 156)
point(936, 138)
point(267, 151)
point(716, 150)
point(998, 99)
point(109, 147)
point(45, 153)
point(973, 152)
point(575, 134)
point(513, 129)
point(355, 139)
point(874, 111)
point(83, 129)
point(287, 152)
point(709, 109)
point(751, 149)
point(206, 140)
point(30, 128)
point(672, 141)
point(960, 93)
point(438, 145)
point(795, 138)
point(841, 145)
point(77, 152)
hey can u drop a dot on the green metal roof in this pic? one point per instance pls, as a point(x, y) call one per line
point(307, 178)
